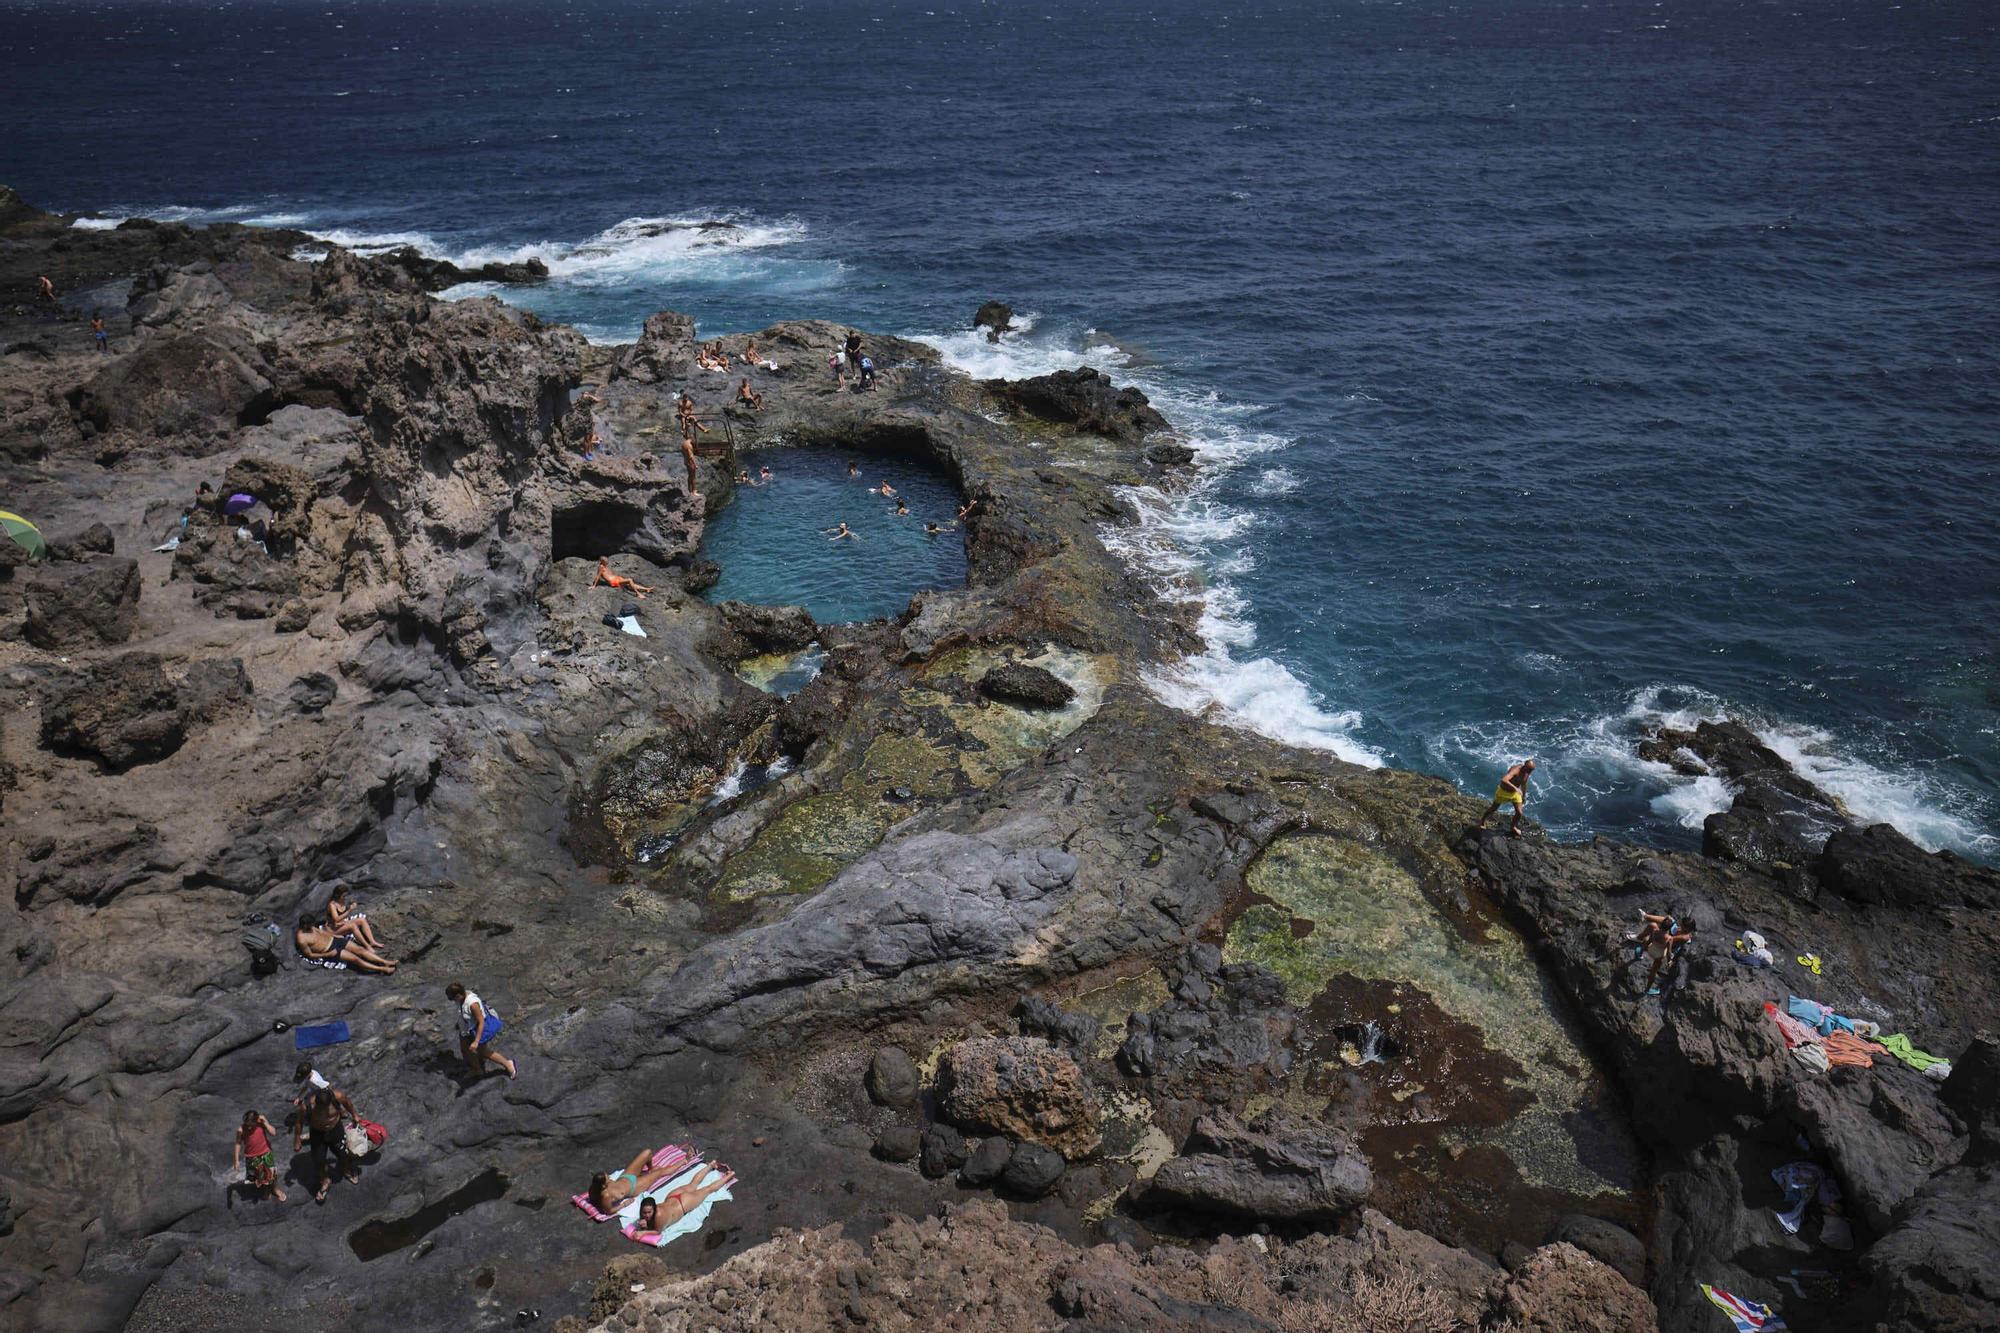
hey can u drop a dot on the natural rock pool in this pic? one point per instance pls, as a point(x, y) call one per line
point(773, 550)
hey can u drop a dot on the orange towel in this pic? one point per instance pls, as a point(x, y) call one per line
point(1844, 1048)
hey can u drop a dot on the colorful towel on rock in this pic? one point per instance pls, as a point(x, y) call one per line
point(1898, 1045)
point(688, 1224)
point(666, 1156)
point(1747, 1316)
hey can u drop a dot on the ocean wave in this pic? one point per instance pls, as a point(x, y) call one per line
point(1588, 762)
point(1187, 544)
point(644, 246)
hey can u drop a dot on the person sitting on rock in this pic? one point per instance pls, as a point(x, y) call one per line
point(1661, 939)
point(748, 396)
point(347, 919)
point(618, 581)
point(610, 1189)
point(326, 1111)
point(750, 357)
point(256, 1155)
point(317, 941)
point(655, 1217)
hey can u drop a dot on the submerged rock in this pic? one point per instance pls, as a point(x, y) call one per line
point(995, 317)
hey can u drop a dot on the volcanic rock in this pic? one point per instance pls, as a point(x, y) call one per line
point(942, 1151)
point(96, 604)
point(892, 1078)
point(1032, 1171)
point(1083, 398)
point(995, 317)
point(1020, 683)
point(899, 1143)
point(1021, 1087)
point(1278, 1168)
point(770, 629)
point(987, 1161)
point(1036, 1017)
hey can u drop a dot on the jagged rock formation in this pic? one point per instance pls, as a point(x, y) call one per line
point(392, 674)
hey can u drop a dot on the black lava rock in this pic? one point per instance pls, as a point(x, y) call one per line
point(1018, 683)
point(892, 1078)
point(1032, 1171)
point(987, 1162)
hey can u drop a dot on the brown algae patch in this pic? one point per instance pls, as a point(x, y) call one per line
point(1371, 921)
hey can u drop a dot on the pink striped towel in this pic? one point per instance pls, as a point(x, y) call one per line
point(672, 1154)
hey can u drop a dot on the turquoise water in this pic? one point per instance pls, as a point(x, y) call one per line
point(771, 543)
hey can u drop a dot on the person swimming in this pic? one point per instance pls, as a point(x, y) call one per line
point(839, 532)
point(886, 491)
point(902, 509)
point(853, 468)
point(763, 475)
point(932, 529)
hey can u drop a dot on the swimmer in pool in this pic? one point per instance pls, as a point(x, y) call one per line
point(853, 468)
point(886, 491)
point(763, 475)
point(932, 529)
point(902, 510)
point(743, 479)
point(840, 532)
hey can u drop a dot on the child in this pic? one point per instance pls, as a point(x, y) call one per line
point(255, 1155)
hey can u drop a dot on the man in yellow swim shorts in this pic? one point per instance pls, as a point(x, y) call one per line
point(1513, 788)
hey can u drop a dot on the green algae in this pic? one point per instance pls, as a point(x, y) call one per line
point(782, 674)
point(1371, 920)
point(952, 748)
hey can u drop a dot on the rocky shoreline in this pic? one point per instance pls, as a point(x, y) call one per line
point(1016, 997)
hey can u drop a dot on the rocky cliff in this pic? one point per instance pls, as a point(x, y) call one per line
point(1082, 966)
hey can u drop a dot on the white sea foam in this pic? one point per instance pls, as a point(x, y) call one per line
point(1275, 481)
point(644, 247)
point(1590, 759)
point(1188, 543)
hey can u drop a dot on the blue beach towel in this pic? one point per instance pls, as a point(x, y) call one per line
point(320, 1034)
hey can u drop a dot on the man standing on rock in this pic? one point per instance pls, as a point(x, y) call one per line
point(328, 1110)
point(1513, 789)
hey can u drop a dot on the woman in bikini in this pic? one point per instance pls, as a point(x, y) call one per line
point(657, 1217)
point(315, 940)
point(346, 919)
point(637, 1176)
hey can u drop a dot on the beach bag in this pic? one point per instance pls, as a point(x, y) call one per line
point(262, 947)
point(377, 1136)
point(355, 1140)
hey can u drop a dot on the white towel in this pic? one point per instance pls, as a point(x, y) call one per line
point(630, 624)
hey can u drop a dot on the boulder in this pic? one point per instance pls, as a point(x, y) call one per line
point(1562, 1289)
point(987, 1162)
point(312, 692)
point(1036, 1017)
point(1021, 1087)
point(995, 317)
point(1032, 1171)
point(1973, 1091)
point(942, 1151)
point(96, 604)
point(701, 576)
point(174, 384)
point(892, 1078)
point(1281, 1167)
point(126, 711)
point(1934, 1269)
point(663, 354)
point(1606, 1242)
point(1032, 686)
point(93, 540)
point(1168, 453)
point(899, 1143)
point(1085, 399)
point(770, 629)
point(1879, 865)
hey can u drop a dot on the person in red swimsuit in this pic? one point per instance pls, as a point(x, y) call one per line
point(256, 1156)
point(604, 575)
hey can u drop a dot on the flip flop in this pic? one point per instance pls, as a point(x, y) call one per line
point(1810, 962)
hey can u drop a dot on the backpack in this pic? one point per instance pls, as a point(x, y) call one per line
point(262, 944)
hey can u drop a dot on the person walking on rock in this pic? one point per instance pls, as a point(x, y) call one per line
point(477, 1027)
point(256, 1155)
point(1513, 790)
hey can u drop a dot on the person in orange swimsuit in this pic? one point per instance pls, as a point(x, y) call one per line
point(604, 575)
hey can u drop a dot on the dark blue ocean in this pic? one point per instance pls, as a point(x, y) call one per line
point(1558, 367)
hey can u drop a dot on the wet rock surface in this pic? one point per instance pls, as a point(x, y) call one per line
point(702, 912)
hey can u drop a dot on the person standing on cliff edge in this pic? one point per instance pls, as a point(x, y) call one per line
point(1513, 789)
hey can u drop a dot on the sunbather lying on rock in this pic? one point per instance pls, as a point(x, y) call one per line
point(607, 1192)
point(657, 1217)
point(315, 939)
point(604, 575)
